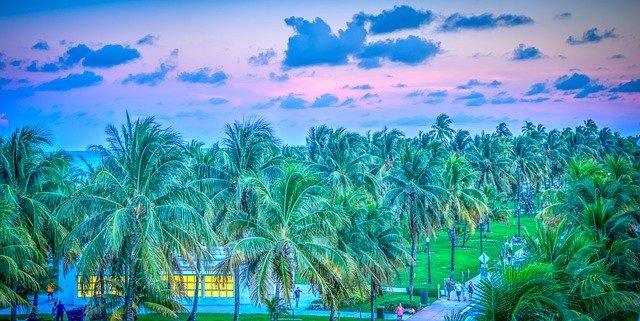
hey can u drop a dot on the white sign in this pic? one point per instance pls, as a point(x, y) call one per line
point(483, 258)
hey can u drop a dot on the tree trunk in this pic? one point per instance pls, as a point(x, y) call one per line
point(236, 294)
point(332, 315)
point(488, 225)
point(34, 309)
point(14, 311)
point(128, 299)
point(373, 297)
point(414, 241)
point(276, 299)
point(452, 238)
point(196, 292)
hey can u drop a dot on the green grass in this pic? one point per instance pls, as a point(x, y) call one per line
point(200, 317)
point(466, 259)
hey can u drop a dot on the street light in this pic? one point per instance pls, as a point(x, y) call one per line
point(429, 259)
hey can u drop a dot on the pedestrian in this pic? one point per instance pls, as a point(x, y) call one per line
point(470, 288)
point(464, 292)
point(50, 291)
point(296, 295)
point(458, 290)
point(53, 310)
point(448, 287)
point(60, 310)
point(399, 311)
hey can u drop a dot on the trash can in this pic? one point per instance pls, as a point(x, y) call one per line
point(380, 313)
point(424, 297)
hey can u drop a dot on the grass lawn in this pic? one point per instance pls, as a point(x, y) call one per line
point(466, 260)
point(201, 317)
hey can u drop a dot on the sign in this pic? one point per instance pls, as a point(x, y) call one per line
point(483, 258)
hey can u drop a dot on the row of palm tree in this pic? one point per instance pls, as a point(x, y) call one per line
point(337, 213)
point(584, 261)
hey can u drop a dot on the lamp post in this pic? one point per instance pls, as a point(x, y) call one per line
point(481, 226)
point(429, 259)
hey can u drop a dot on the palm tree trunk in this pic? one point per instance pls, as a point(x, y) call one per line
point(14, 311)
point(373, 297)
point(196, 291)
point(414, 241)
point(236, 294)
point(276, 299)
point(34, 309)
point(452, 238)
point(128, 299)
point(332, 314)
point(488, 225)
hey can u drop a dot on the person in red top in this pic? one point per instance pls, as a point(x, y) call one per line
point(399, 311)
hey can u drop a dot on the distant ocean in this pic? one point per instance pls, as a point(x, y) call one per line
point(90, 157)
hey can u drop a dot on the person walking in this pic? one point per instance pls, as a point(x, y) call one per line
point(296, 295)
point(470, 288)
point(50, 291)
point(464, 292)
point(53, 309)
point(399, 311)
point(448, 287)
point(60, 310)
point(458, 290)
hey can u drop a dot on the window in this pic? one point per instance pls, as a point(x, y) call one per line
point(218, 286)
point(86, 289)
point(186, 284)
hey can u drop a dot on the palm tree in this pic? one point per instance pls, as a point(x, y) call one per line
point(137, 215)
point(291, 236)
point(249, 149)
point(441, 130)
point(527, 162)
point(415, 192)
point(465, 203)
point(35, 181)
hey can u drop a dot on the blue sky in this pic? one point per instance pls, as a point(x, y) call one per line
point(75, 66)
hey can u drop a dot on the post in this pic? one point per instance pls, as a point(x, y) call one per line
point(481, 234)
point(429, 259)
point(438, 291)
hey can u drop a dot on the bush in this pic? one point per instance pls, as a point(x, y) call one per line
point(390, 305)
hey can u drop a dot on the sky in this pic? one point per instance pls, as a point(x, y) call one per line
point(76, 66)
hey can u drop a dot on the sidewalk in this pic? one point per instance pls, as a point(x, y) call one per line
point(437, 310)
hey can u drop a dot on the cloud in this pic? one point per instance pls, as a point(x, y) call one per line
point(16, 63)
point(503, 99)
point(105, 57)
point(457, 21)
point(411, 50)
point(218, 101)
point(4, 81)
point(617, 56)
point(151, 78)
point(475, 82)
point(347, 102)
point(537, 88)
point(473, 99)
point(416, 93)
point(632, 86)
point(589, 89)
point(398, 18)
point(369, 95)
point(280, 78)
point(534, 100)
point(4, 122)
point(417, 120)
point(592, 36)
point(40, 45)
point(399, 85)
point(314, 44)
point(204, 76)
point(360, 87)
point(292, 102)
point(369, 63)
point(326, 100)
point(438, 93)
point(262, 58)
point(575, 81)
point(564, 15)
point(522, 52)
point(71, 81)
point(147, 40)
point(49, 67)
point(18, 93)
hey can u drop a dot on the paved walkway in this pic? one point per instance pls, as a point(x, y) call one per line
point(437, 310)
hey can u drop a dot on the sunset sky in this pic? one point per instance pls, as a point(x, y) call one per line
point(76, 66)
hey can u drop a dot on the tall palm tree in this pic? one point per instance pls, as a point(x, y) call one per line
point(527, 161)
point(249, 148)
point(291, 236)
point(137, 215)
point(415, 192)
point(465, 203)
point(441, 130)
point(35, 180)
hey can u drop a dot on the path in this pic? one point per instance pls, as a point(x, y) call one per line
point(437, 310)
